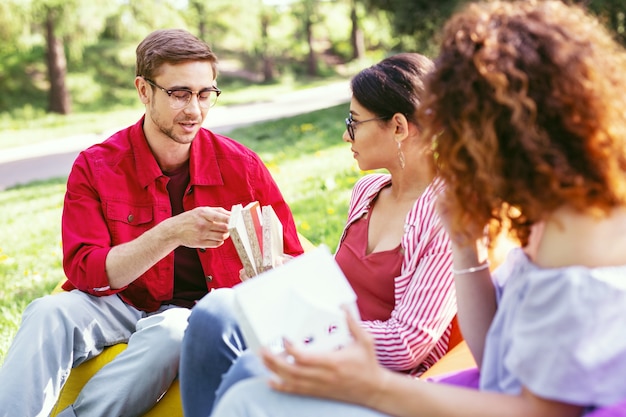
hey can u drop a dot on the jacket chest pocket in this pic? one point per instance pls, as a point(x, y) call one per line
point(127, 222)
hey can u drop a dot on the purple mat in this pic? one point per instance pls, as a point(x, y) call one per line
point(466, 378)
point(469, 378)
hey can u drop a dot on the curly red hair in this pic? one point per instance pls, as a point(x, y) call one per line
point(527, 108)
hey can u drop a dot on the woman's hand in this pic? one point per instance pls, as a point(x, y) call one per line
point(351, 374)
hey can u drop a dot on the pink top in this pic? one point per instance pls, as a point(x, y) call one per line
point(417, 331)
point(371, 275)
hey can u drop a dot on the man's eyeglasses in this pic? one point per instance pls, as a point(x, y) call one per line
point(180, 97)
point(351, 124)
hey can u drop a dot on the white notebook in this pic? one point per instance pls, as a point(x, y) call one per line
point(299, 301)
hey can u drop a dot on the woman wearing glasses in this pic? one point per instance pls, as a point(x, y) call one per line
point(527, 102)
point(394, 250)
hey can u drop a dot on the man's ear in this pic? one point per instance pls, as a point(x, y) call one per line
point(142, 89)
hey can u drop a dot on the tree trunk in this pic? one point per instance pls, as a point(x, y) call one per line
point(357, 37)
point(268, 60)
point(59, 98)
point(202, 29)
point(312, 58)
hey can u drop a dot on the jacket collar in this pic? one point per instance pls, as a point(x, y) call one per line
point(203, 163)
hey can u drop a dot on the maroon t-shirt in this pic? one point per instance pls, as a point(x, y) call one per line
point(372, 276)
point(189, 281)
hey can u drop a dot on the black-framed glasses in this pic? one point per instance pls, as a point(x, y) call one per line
point(351, 124)
point(180, 97)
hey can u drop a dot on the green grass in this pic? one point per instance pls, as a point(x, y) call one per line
point(306, 155)
point(30, 249)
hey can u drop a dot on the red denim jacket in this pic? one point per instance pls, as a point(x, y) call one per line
point(116, 191)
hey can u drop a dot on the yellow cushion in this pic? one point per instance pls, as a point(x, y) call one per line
point(169, 405)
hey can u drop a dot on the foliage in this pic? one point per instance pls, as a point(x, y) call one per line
point(305, 154)
point(107, 81)
point(79, 22)
point(100, 39)
point(417, 22)
point(12, 15)
point(612, 13)
point(22, 81)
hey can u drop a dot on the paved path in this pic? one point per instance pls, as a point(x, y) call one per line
point(42, 161)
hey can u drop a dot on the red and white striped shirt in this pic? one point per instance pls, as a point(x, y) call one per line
point(416, 334)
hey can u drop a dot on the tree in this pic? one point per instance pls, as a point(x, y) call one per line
point(67, 25)
point(416, 22)
point(198, 9)
point(266, 56)
point(306, 12)
point(34, 17)
point(422, 19)
point(17, 67)
point(59, 100)
point(357, 37)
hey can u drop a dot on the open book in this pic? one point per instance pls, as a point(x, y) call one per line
point(257, 234)
point(299, 301)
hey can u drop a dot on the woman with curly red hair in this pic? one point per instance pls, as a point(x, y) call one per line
point(527, 110)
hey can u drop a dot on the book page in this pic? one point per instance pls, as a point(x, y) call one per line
point(299, 301)
point(251, 214)
point(272, 238)
point(239, 236)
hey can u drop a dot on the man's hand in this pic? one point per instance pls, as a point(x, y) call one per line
point(202, 227)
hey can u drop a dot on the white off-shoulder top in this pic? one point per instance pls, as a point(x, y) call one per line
point(559, 332)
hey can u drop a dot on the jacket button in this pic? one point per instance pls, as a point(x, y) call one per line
point(202, 250)
point(209, 278)
point(131, 218)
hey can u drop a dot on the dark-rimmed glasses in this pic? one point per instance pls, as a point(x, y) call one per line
point(180, 97)
point(351, 124)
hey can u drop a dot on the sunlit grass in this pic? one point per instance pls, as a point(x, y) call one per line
point(318, 190)
point(30, 249)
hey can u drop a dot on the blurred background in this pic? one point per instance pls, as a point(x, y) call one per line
point(69, 56)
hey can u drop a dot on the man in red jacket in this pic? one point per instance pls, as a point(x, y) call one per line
point(144, 237)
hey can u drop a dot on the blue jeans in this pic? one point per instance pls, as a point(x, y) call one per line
point(253, 398)
point(213, 356)
point(262, 401)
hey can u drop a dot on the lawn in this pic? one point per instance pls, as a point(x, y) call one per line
point(306, 155)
